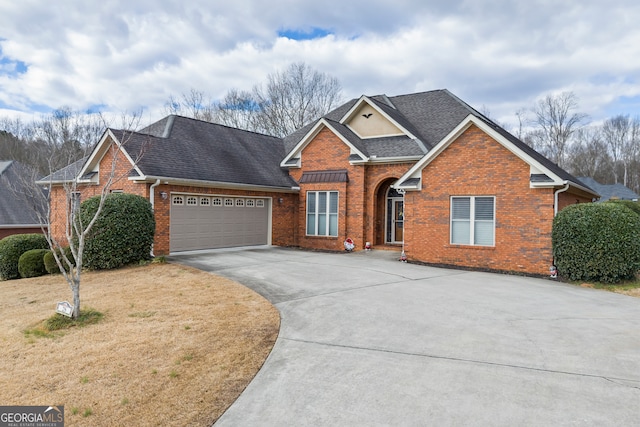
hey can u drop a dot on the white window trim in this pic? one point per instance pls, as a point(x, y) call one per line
point(328, 214)
point(472, 221)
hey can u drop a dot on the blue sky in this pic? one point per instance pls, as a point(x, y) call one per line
point(499, 56)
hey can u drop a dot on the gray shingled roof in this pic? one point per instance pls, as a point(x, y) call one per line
point(610, 191)
point(66, 174)
point(183, 148)
point(16, 207)
point(430, 116)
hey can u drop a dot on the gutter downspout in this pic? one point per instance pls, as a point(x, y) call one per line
point(152, 200)
point(555, 197)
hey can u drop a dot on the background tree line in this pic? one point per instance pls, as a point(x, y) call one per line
point(608, 151)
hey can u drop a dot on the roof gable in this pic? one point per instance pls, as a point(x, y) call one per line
point(338, 129)
point(543, 172)
point(368, 119)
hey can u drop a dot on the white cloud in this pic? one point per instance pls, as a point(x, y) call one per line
point(502, 55)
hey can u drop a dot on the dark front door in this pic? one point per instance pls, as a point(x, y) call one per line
point(394, 217)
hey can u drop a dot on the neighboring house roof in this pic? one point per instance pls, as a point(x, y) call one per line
point(17, 207)
point(66, 174)
point(192, 151)
point(610, 191)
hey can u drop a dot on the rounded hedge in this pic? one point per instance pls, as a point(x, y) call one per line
point(123, 233)
point(11, 247)
point(634, 206)
point(50, 262)
point(597, 242)
point(31, 263)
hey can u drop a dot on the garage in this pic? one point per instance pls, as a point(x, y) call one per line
point(211, 222)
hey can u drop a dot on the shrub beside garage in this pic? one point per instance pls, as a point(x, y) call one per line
point(597, 242)
point(122, 234)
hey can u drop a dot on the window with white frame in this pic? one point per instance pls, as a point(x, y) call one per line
point(205, 201)
point(260, 203)
point(217, 201)
point(178, 200)
point(228, 202)
point(240, 202)
point(251, 203)
point(192, 201)
point(322, 213)
point(473, 221)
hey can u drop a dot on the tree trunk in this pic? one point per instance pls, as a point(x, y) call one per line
point(76, 300)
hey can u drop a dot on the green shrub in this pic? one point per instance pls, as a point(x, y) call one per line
point(634, 206)
point(123, 233)
point(597, 242)
point(11, 247)
point(50, 262)
point(31, 263)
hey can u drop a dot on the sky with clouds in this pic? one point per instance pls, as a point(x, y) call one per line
point(497, 55)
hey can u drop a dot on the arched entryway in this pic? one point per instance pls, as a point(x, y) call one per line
point(389, 221)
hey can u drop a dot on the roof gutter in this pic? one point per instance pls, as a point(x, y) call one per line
point(214, 184)
point(555, 197)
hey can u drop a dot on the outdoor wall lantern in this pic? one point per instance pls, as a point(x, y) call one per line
point(164, 195)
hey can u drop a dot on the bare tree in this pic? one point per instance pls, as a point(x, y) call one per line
point(40, 194)
point(621, 135)
point(193, 104)
point(51, 141)
point(294, 97)
point(556, 121)
point(289, 100)
point(588, 155)
point(238, 109)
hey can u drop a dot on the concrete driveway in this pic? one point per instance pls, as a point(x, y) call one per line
point(366, 340)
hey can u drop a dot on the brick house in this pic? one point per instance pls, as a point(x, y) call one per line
point(424, 172)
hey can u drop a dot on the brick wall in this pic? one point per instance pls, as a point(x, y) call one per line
point(361, 209)
point(476, 165)
point(4, 232)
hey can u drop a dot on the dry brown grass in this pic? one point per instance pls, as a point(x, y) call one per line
point(176, 346)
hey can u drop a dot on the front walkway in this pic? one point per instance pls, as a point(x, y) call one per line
point(367, 340)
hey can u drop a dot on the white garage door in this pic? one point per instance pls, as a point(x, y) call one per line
point(209, 222)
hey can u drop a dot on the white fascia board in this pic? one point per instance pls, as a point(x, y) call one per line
point(365, 100)
point(297, 151)
point(415, 171)
point(212, 184)
point(93, 163)
point(406, 159)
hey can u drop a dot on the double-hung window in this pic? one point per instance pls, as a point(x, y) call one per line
point(322, 213)
point(473, 221)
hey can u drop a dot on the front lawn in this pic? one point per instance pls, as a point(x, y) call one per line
point(175, 346)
